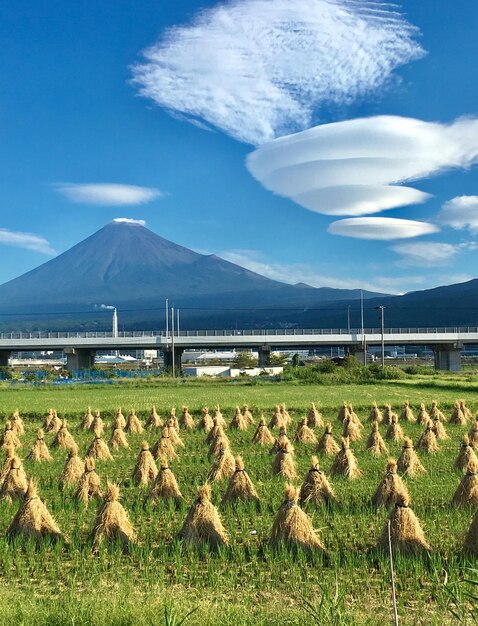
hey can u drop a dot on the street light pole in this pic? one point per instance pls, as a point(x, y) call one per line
point(172, 342)
point(167, 318)
point(382, 310)
point(348, 318)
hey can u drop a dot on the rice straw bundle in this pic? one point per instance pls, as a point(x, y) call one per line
point(73, 470)
point(345, 464)
point(112, 522)
point(316, 488)
point(435, 412)
point(15, 483)
point(154, 420)
point(407, 413)
point(33, 519)
point(223, 466)
point(172, 419)
point(39, 451)
point(343, 412)
point(186, 420)
point(55, 423)
point(353, 417)
point(216, 444)
point(89, 485)
point(327, 443)
point(375, 443)
point(240, 486)
point(439, 429)
point(470, 545)
point(457, 416)
point(119, 419)
point(466, 494)
point(174, 434)
point(406, 532)
point(203, 523)
point(97, 426)
point(86, 422)
point(473, 434)
point(465, 410)
point(9, 437)
point(408, 462)
point(388, 414)
point(99, 450)
point(262, 436)
point(218, 416)
point(314, 418)
point(391, 488)
point(48, 418)
point(64, 439)
point(206, 422)
point(375, 414)
point(428, 440)
point(17, 424)
point(279, 441)
point(145, 469)
point(133, 425)
point(284, 463)
point(277, 420)
point(423, 415)
point(215, 432)
point(164, 446)
point(238, 422)
point(118, 439)
point(247, 415)
point(351, 429)
point(304, 434)
point(466, 455)
point(165, 486)
point(7, 462)
point(286, 419)
point(292, 527)
point(394, 431)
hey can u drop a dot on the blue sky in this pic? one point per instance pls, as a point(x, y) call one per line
point(80, 145)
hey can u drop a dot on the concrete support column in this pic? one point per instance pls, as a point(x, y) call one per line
point(4, 357)
point(168, 358)
point(448, 357)
point(359, 353)
point(79, 358)
point(264, 356)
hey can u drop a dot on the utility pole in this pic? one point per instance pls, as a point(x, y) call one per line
point(364, 342)
point(382, 308)
point(348, 318)
point(167, 318)
point(177, 315)
point(172, 342)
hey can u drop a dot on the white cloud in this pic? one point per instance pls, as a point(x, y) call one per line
point(258, 69)
point(357, 167)
point(380, 228)
point(26, 241)
point(128, 220)
point(107, 194)
point(460, 213)
point(429, 253)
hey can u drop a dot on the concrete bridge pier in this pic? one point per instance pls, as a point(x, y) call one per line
point(168, 358)
point(448, 357)
point(79, 358)
point(4, 357)
point(264, 353)
point(359, 352)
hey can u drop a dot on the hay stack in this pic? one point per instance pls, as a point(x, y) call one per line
point(73, 470)
point(343, 412)
point(206, 422)
point(388, 414)
point(351, 429)
point(39, 451)
point(423, 415)
point(428, 440)
point(99, 450)
point(394, 431)
point(112, 522)
point(64, 439)
point(9, 437)
point(17, 424)
point(48, 418)
point(203, 523)
point(119, 419)
point(55, 423)
point(118, 439)
point(292, 527)
point(407, 413)
point(186, 420)
point(33, 519)
point(218, 416)
point(457, 416)
point(7, 462)
point(391, 488)
point(172, 419)
point(466, 494)
point(277, 420)
point(133, 425)
point(473, 434)
point(470, 545)
point(240, 486)
point(174, 434)
point(86, 422)
point(215, 432)
point(216, 444)
point(375, 443)
point(284, 463)
point(439, 429)
point(304, 434)
point(145, 469)
point(314, 418)
point(345, 464)
point(354, 418)
point(15, 483)
point(262, 436)
point(89, 485)
point(247, 415)
point(408, 462)
point(465, 455)
point(375, 414)
point(238, 421)
point(164, 447)
point(165, 486)
point(316, 488)
point(435, 412)
point(97, 426)
point(280, 441)
point(286, 418)
point(465, 410)
point(154, 420)
point(327, 444)
point(406, 532)
point(223, 466)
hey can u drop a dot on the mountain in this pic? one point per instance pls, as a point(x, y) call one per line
point(127, 266)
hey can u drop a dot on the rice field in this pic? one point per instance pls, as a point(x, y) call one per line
point(158, 581)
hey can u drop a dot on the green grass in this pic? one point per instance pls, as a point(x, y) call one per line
point(156, 582)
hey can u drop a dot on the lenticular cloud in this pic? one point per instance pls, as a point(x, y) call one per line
point(258, 69)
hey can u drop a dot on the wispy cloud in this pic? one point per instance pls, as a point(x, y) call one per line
point(381, 228)
point(429, 253)
point(258, 69)
point(27, 241)
point(129, 220)
point(358, 167)
point(460, 213)
point(107, 194)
